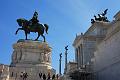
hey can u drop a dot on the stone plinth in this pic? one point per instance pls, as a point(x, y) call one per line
point(31, 52)
point(33, 57)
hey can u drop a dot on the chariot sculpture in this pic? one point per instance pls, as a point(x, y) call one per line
point(101, 17)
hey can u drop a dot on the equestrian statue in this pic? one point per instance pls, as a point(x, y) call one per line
point(32, 25)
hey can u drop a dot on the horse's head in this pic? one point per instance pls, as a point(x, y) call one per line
point(20, 21)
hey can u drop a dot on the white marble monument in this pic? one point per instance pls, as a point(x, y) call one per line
point(32, 57)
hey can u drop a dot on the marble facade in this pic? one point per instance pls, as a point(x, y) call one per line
point(107, 54)
point(97, 50)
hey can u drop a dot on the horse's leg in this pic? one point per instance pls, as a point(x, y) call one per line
point(38, 36)
point(18, 30)
point(43, 37)
point(26, 35)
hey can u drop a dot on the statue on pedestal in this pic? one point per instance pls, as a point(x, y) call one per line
point(32, 56)
point(32, 26)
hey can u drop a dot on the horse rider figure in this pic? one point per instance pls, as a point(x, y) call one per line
point(32, 25)
point(34, 19)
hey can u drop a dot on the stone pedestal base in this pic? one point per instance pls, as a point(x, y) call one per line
point(32, 57)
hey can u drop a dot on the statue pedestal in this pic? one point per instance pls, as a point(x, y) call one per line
point(33, 57)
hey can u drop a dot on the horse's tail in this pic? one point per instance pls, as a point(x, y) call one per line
point(46, 28)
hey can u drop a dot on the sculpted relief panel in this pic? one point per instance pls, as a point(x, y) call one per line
point(45, 57)
point(27, 56)
point(31, 53)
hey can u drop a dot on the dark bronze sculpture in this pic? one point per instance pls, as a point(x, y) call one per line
point(34, 19)
point(104, 13)
point(92, 21)
point(97, 19)
point(60, 55)
point(66, 47)
point(32, 26)
point(101, 17)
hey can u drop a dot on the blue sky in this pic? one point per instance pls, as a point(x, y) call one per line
point(64, 17)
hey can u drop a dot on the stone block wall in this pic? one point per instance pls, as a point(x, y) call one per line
point(107, 55)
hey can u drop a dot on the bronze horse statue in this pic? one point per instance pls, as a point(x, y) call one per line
point(27, 27)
